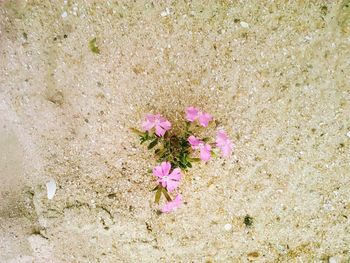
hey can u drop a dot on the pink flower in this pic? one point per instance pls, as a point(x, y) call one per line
point(204, 118)
point(193, 114)
point(205, 152)
point(194, 141)
point(170, 181)
point(158, 121)
point(172, 205)
point(204, 148)
point(224, 143)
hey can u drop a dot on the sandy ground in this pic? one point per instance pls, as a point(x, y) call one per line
point(275, 74)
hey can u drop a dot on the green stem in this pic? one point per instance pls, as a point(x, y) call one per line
point(167, 196)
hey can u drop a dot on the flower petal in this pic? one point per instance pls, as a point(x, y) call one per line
point(158, 171)
point(164, 182)
point(171, 185)
point(160, 131)
point(175, 174)
point(224, 143)
point(227, 149)
point(147, 125)
point(194, 141)
point(149, 122)
point(165, 124)
point(221, 138)
point(172, 205)
point(166, 166)
point(205, 152)
point(191, 114)
point(204, 118)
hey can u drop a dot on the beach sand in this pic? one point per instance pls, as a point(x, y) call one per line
point(274, 74)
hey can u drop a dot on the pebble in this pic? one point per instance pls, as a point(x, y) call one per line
point(308, 38)
point(348, 134)
point(228, 227)
point(51, 188)
point(244, 24)
point(166, 12)
point(332, 260)
point(64, 14)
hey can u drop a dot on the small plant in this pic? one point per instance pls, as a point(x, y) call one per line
point(175, 153)
point(93, 46)
point(248, 221)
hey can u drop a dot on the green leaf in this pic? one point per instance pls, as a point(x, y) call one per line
point(189, 165)
point(184, 143)
point(152, 144)
point(166, 194)
point(136, 131)
point(93, 47)
point(194, 159)
point(155, 188)
point(158, 194)
point(248, 220)
point(160, 151)
point(144, 137)
point(187, 128)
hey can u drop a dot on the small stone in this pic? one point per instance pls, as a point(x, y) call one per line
point(64, 14)
point(332, 260)
point(308, 38)
point(166, 12)
point(348, 134)
point(51, 188)
point(244, 24)
point(228, 227)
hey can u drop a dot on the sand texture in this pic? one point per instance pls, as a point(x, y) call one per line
point(274, 74)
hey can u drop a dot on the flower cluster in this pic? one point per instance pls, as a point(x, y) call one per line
point(176, 153)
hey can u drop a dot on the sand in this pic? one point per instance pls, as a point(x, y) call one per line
point(274, 74)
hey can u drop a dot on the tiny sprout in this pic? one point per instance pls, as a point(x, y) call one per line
point(93, 47)
point(248, 221)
